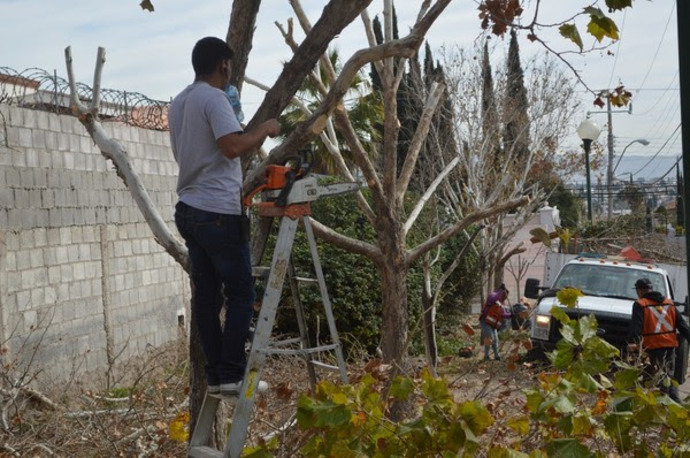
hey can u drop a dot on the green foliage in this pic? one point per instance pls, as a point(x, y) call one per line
point(350, 421)
point(570, 32)
point(626, 224)
point(568, 204)
point(600, 26)
point(588, 404)
point(354, 285)
point(464, 283)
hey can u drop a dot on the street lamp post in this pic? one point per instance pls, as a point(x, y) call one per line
point(588, 131)
point(642, 141)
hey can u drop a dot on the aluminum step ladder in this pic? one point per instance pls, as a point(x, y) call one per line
point(290, 216)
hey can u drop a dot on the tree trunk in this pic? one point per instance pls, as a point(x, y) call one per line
point(429, 322)
point(197, 376)
point(394, 325)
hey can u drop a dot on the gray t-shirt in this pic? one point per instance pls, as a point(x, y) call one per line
point(207, 180)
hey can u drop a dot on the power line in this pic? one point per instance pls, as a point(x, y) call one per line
point(661, 40)
point(669, 171)
point(660, 149)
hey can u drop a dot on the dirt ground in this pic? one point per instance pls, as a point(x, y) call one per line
point(139, 415)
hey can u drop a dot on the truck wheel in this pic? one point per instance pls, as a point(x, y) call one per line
point(536, 353)
point(681, 361)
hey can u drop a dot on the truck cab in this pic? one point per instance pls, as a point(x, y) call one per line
point(609, 293)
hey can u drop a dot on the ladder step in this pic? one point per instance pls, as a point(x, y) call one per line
point(261, 271)
point(299, 351)
point(232, 399)
point(282, 343)
point(328, 367)
point(202, 451)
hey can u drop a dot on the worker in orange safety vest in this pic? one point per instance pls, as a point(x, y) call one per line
point(655, 324)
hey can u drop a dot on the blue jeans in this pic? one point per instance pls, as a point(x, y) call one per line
point(490, 333)
point(221, 275)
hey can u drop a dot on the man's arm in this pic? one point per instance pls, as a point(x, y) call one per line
point(239, 143)
point(682, 326)
point(636, 323)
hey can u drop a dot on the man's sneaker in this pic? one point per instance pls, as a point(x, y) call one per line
point(213, 389)
point(233, 389)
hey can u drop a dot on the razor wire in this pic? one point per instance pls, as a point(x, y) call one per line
point(37, 89)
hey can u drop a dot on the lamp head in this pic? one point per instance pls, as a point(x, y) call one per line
point(588, 130)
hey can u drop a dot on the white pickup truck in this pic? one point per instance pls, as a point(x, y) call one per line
point(608, 288)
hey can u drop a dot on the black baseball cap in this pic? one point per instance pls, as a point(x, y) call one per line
point(643, 283)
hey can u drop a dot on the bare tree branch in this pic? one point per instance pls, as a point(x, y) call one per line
point(110, 149)
point(467, 221)
point(240, 37)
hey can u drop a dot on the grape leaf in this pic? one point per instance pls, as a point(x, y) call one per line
point(146, 5)
point(570, 32)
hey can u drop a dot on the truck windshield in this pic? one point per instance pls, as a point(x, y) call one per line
point(610, 281)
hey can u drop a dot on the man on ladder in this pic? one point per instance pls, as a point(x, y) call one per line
point(287, 192)
point(207, 142)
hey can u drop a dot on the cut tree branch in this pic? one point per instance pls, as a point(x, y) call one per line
point(110, 149)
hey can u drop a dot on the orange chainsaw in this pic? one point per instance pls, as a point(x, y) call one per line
point(291, 185)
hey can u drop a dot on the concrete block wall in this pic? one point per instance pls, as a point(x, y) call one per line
point(81, 276)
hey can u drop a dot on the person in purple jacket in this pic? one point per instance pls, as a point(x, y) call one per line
point(489, 333)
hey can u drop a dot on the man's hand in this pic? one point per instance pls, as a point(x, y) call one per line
point(236, 144)
point(271, 127)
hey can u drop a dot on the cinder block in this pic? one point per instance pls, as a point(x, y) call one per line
point(25, 139)
point(40, 177)
point(35, 200)
point(15, 115)
point(14, 219)
point(51, 141)
point(38, 298)
point(6, 198)
point(63, 142)
point(23, 300)
point(36, 257)
point(29, 119)
point(67, 124)
point(42, 217)
point(38, 140)
point(27, 178)
point(42, 122)
point(54, 123)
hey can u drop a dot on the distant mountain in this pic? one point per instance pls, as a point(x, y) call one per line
point(641, 167)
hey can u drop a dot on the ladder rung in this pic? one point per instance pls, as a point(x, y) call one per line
point(321, 365)
point(282, 343)
point(306, 279)
point(224, 397)
point(202, 451)
point(299, 351)
point(260, 271)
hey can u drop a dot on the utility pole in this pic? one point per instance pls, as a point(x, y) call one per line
point(609, 171)
point(683, 16)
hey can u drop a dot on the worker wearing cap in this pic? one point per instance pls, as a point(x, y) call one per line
point(655, 323)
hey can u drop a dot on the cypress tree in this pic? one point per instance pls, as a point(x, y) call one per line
point(516, 137)
point(490, 118)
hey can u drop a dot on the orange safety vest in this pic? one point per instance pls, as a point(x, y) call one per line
point(493, 315)
point(659, 328)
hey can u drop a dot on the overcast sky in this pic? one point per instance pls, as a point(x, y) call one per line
point(150, 52)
